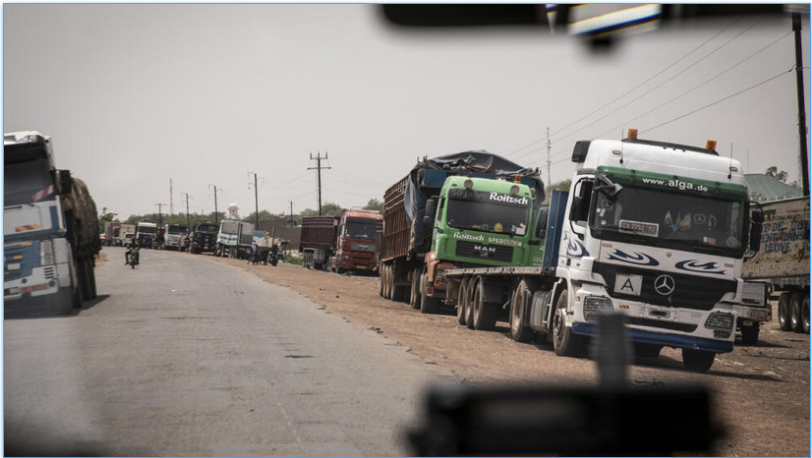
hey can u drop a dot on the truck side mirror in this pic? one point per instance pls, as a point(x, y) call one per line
point(431, 208)
point(755, 230)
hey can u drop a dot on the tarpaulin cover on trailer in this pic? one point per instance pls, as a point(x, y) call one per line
point(419, 187)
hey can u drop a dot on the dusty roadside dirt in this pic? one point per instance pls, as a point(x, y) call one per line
point(762, 392)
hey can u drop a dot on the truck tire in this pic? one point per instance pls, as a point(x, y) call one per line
point(380, 280)
point(469, 307)
point(76, 300)
point(750, 333)
point(414, 298)
point(461, 301)
point(697, 360)
point(485, 313)
point(783, 312)
point(644, 350)
point(519, 330)
point(427, 304)
point(385, 279)
point(565, 342)
point(805, 312)
point(795, 317)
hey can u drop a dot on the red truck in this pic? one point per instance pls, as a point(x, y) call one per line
point(356, 241)
point(340, 244)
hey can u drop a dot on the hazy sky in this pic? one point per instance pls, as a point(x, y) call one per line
point(136, 95)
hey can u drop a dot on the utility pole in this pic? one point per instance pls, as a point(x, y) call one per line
point(318, 167)
point(256, 200)
point(188, 222)
point(291, 213)
point(799, 82)
point(215, 203)
point(171, 207)
point(548, 155)
point(160, 216)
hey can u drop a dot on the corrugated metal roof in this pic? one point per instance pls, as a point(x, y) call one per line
point(765, 189)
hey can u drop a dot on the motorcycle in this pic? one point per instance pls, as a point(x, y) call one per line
point(132, 260)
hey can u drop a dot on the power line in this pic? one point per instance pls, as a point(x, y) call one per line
point(655, 87)
point(662, 105)
point(719, 101)
point(633, 89)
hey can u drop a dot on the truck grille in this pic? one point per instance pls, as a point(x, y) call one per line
point(13, 256)
point(480, 251)
point(692, 292)
point(50, 272)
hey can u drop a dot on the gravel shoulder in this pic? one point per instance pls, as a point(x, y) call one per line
point(761, 392)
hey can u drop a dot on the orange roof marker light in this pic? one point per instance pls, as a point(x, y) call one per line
point(632, 134)
point(711, 145)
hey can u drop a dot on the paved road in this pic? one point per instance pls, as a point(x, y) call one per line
point(185, 356)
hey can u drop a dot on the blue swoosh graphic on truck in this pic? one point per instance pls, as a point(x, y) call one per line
point(575, 248)
point(694, 266)
point(639, 259)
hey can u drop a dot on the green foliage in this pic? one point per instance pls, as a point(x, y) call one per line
point(773, 173)
point(263, 215)
point(294, 260)
point(374, 204)
point(106, 217)
point(327, 209)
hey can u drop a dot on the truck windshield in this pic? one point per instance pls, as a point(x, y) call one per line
point(208, 228)
point(487, 216)
point(671, 220)
point(27, 182)
point(356, 230)
point(177, 230)
point(148, 229)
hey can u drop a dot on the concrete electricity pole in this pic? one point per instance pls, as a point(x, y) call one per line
point(188, 222)
point(318, 167)
point(160, 216)
point(256, 200)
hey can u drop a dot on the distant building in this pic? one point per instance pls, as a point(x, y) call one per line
point(765, 189)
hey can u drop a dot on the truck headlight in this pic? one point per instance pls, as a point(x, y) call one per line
point(46, 253)
point(596, 305)
point(722, 324)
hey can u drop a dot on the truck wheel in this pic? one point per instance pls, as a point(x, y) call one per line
point(385, 281)
point(565, 343)
point(644, 350)
point(518, 328)
point(388, 286)
point(485, 313)
point(468, 310)
point(461, 301)
point(380, 281)
point(414, 298)
point(697, 360)
point(783, 312)
point(750, 333)
point(805, 313)
point(427, 304)
point(74, 303)
point(795, 307)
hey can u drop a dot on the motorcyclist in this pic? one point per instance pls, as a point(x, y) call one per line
point(131, 248)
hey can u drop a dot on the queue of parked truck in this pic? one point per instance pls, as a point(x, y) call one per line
point(662, 233)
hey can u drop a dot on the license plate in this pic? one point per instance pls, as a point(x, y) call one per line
point(628, 284)
point(360, 267)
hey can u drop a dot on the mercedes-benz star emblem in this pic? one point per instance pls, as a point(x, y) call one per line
point(664, 285)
